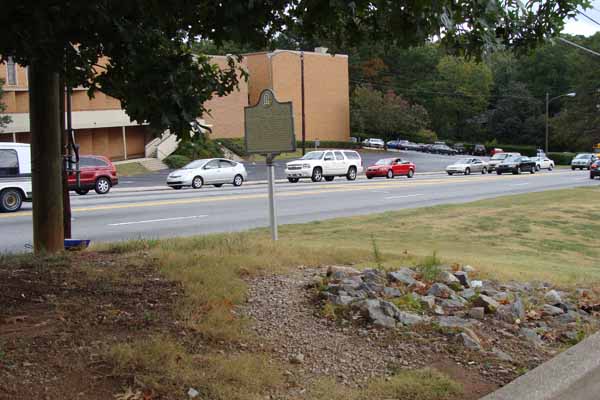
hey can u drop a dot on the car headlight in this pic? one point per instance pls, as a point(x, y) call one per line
point(305, 165)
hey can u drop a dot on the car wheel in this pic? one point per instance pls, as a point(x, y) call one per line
point(351, 175)
point(499, 173)
point(82, 192)
point(467, 171)
point(317, 175)
point(218, 185)
point(329, 178)
point(411, 173)
point(238, 180)
point(581, 168)
point(484, 171)
point(532, 171)
point(369, 177)
point(390, 174)
point(592, 176)
point(518, 171)
point(450, 173)
point(102, 185)
point(197, 182)
point(293, 180)
point(551, 167)
point(176, 187)
point(573, 168)
point(11, 200)
point(537, 167)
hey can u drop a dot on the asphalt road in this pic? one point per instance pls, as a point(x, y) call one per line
point(257, 171)
point(166, 213)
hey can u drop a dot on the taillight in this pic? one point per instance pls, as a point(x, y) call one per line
point(594, 166)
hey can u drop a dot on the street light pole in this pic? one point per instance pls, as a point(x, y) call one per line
point(548, 101)
point(547, 107)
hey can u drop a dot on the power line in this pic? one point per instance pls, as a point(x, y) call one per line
point(590, 18)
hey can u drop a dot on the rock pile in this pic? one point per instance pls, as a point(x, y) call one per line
point(453, 301)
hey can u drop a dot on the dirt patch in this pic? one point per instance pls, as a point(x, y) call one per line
point(58, 317)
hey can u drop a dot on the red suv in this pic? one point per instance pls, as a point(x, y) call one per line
point(97, 172)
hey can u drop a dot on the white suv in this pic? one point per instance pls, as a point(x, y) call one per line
point(327, 164)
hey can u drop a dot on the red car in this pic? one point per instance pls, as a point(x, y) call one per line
point(391, 167)
point(97, 172)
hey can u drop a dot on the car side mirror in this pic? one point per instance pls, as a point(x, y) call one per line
point(328, 158)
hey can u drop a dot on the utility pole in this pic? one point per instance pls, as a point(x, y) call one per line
point(303, 115)
point(547, 107)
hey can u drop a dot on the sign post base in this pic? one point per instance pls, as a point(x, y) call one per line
point(272, 212)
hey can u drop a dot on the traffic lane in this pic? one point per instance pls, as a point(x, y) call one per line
point(182, 196)
point(152, 219)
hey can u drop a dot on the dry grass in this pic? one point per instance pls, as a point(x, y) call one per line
point(425, 384)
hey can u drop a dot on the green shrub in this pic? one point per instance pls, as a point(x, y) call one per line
point(175, 161)
point(424, 136)
point(197, 148)
point(236, 145)
point(561, 158)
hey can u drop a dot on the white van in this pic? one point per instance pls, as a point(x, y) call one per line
point(15, 176)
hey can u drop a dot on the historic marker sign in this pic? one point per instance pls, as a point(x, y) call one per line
point(269, 126)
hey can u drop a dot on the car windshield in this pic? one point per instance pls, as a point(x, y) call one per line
point(313, 155)
point(385, 161)
point(195, 164)
point(583, 156)
point(499, 156)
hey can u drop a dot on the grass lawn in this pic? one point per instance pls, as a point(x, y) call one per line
point(131, 169)
point(549, 236)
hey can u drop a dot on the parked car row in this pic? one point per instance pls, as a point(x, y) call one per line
point(436, 148)
point(501, 163)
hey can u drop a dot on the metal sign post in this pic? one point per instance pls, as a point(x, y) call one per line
point(272, 210)
point(269, 131)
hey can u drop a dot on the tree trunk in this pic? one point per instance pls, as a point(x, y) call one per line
point(46, 160)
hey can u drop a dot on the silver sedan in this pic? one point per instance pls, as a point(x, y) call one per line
point(210, 171)
point(467, 165)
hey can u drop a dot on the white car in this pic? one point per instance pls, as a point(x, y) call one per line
point(498, 158)
point(374, 142)
point(327, 164)
point(210, 171)
point(467, 165)
point(15, 176)
point(543, 162)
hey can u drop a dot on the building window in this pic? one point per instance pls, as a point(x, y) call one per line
point(11, 71)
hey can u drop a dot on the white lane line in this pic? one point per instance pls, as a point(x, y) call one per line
point(148, 221)
point(519, 184)
point(403, 197)
point(380, 191)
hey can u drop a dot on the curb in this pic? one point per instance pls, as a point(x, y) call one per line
point(247, 183)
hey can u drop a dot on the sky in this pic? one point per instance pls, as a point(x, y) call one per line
point(583, 26)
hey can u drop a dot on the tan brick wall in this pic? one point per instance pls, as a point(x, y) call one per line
point(259, 69)
point(227, 113)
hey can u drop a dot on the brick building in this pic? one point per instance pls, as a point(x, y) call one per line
point(102, 127)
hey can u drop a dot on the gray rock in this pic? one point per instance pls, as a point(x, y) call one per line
point(476, 312)
point(518, 308)
point(392, 292)
point(532, 336)
point(437, 310)
point(339, 300)
point(336, 272)
point(490, 305)
point(512, 312)
point(552, 297)
point(193, 393)
point(468, 294)
point(469, 339)
point(406, 318)
point(403, 277)
point(452, 304)
point(476, 284)
point(454, 322)
point(568, 317)
point(502, 355)
point(468, 269)
point(463, 278)
point(407, 271)
point(427, 302)
point(372, 289)
point(389, 309)
point(447, 278)
point(501, 296)
point(373, 310)
point(440, 290)
point(374, 276)
point(547, 309)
